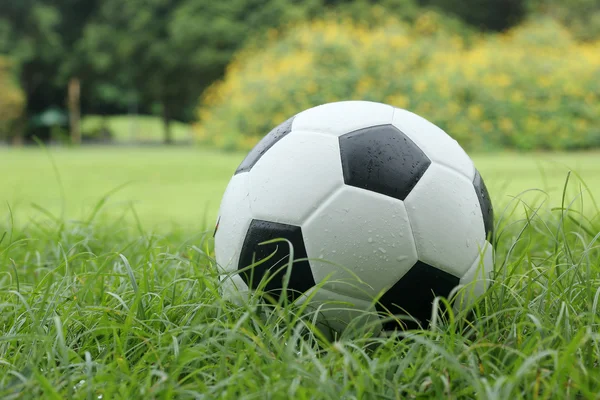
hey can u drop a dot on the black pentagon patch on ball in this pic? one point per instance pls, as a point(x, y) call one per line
point(486, 205)
point(264, 145)
point(301, 278)
point(413, 294)
point(382, 159)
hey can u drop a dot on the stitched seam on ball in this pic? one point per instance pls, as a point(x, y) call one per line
point(324, 204)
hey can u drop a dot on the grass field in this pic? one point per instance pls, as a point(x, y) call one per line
point(183, 186)
point(166, 187)
point(90, 309)
point(136, 128)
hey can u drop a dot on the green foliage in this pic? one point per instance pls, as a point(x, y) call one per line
point(495, 15)
point(158, 56)
point(44, 37)
point(12, 100)
point(582, 17)
point(30, 32)
point(93, 309)
point(170, 50)
point(367, 11)
point(180, 47)
point(533, 87)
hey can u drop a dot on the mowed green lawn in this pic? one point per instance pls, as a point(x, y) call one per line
point(165, 186)
point(182, 187)
point(136, 128)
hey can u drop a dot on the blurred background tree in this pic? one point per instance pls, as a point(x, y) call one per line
point(29, 35)
point(158, 57)
point(171, 50)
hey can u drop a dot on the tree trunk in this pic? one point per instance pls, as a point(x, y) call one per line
point(166, 117)
point(18, 128)
point(17, 139)
point(75, 110)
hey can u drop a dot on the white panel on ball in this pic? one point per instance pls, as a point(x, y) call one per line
point(359, 233)
point(446, 220)
point(437, 144)
point(475, 280)
point(294, 177)
point(233, 223)
point(343, 117)
point(234, 289)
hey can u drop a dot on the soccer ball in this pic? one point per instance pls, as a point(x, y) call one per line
point(382, 210)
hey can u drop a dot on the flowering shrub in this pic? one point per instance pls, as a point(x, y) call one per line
point(12, 100)
point(533, 87)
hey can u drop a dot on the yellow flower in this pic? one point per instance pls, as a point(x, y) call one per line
point(453, 108)
point(311, 87)
point(420, 86)
point(517, 96)
point(438, 76)
point(532, 124)
point(364, 85)
point(544, 81)
point(487, 126)
point(501, 80)
point(506, 124)
point(581, 124)
point(475, 111)
point(590, 98)
point(399, 101)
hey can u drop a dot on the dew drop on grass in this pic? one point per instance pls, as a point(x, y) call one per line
point(79, 384)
